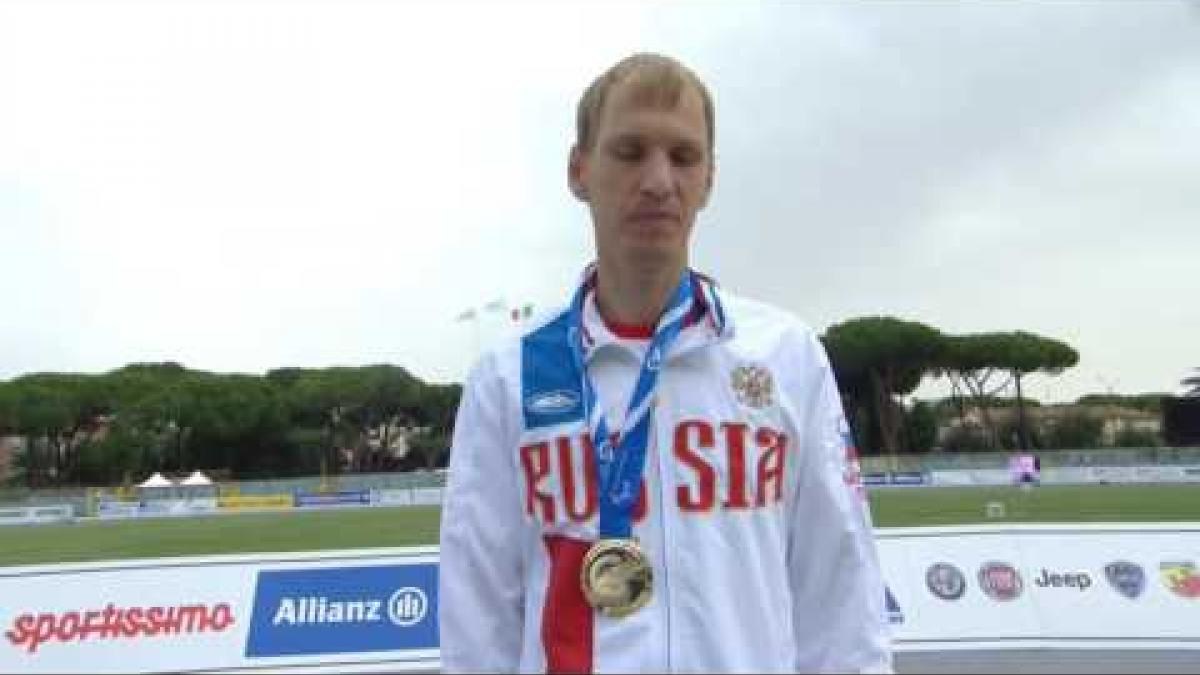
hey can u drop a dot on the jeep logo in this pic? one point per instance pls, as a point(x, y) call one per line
point(1078, 580)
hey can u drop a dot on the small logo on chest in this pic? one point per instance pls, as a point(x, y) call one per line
point(753, 386)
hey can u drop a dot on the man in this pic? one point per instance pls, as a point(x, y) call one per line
point(655, 478)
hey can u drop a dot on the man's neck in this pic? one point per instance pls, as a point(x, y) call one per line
point(633, 296)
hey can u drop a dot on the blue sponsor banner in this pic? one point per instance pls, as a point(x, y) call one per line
point(908, 478)
point(895, 478)
point(330, 498)
point(338, 610)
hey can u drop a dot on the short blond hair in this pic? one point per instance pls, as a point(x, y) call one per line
point(658, 79)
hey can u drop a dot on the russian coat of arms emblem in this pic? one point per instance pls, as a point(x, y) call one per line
point(753, 386)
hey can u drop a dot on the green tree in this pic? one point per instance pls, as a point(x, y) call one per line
point(877, 358)
point(8, 408)
point(1151, 402)
point(921, 427)
point(155, 406)
point(323, 398)
point(1024, 353)
point(1075, 430)
point(392, 396)
point(162, 416)
point(239, 422)
point(358, 408)
point(1136, 438)
point(55, 412)
point(973, 363)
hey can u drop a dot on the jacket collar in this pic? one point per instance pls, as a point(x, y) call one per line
point(708, 324)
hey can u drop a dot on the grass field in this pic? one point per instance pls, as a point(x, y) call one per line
point(411, 526)
point(904, 507)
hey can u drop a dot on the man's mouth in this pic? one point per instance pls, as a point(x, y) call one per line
point(651, 216)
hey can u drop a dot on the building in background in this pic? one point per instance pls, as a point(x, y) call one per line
point(1114, 425)
point(10, 447)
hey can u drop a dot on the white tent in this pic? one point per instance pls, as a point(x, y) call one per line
point(156, 481)
point(197, 478)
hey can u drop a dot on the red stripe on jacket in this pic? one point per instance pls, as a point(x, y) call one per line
point(567, 618)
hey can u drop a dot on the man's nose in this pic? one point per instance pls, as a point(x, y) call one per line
point(657, 175)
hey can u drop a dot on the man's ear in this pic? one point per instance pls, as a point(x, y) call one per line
point(576, 174)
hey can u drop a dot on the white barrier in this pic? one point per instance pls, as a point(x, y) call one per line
point(299, 611)
point(179, 507)
point(1101, 586)
point(1045, 586)
point(32, 515)
point(109, 510)
point(1071, 475)
point(428, 496)
point(970, 477)
point(156, 508)
point(1122, 474)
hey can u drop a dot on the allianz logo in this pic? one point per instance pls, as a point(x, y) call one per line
point(549, 402)
point(1078, 580)
point(406, 607)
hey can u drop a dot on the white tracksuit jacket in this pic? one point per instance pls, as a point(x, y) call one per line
point(751, 510)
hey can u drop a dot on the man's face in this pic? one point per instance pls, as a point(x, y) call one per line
point(645, 177)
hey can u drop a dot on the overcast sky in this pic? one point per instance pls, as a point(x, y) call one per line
point(242, 186)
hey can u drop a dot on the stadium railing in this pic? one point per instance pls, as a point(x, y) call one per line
point(85, 499)
point(938, 461)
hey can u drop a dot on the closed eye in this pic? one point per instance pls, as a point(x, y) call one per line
point(686, 155)
point(627, 151)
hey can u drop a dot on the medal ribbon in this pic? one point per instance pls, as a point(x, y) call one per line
point(619, 467)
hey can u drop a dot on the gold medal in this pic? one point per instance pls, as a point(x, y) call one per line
point(617, 578)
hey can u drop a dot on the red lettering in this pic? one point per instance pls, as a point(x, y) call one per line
point(130, 622)
point(68, 627)
point(42, 632)
point(156, 620)
point(770, 465)
point(735, 445)
point(92, 624)
point(112, 627)
point(222, 617)
point(22, 630)
point(535, 459)
point(31, 632)
point(705, 474)
point(190, 617)
point(170, 625)
point(566, 468)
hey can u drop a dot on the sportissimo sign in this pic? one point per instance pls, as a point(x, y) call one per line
point(222, 613)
